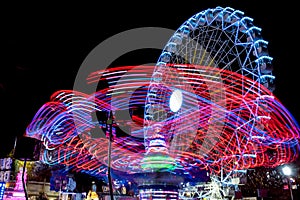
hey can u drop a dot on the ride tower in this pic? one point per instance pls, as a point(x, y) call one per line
point(158, 179)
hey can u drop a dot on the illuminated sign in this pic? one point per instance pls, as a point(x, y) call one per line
point(2, 189)
point(5, 169)
point(19, 182)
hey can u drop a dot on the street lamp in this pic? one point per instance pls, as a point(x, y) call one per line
point(287, 171)
point(109, 124)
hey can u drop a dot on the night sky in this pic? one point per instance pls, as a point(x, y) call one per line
point(44, 45)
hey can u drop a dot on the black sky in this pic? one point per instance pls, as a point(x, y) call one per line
point(43, 46)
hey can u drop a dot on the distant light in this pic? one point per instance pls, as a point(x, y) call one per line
point(175, 100)
point(287, 170)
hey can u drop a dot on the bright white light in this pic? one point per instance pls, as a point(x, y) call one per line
point(287, 171)
point(176, 100)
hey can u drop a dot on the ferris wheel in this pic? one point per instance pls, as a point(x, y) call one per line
point(215, 51)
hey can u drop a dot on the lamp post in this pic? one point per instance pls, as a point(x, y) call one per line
point(287, 171)
point(109, 124)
